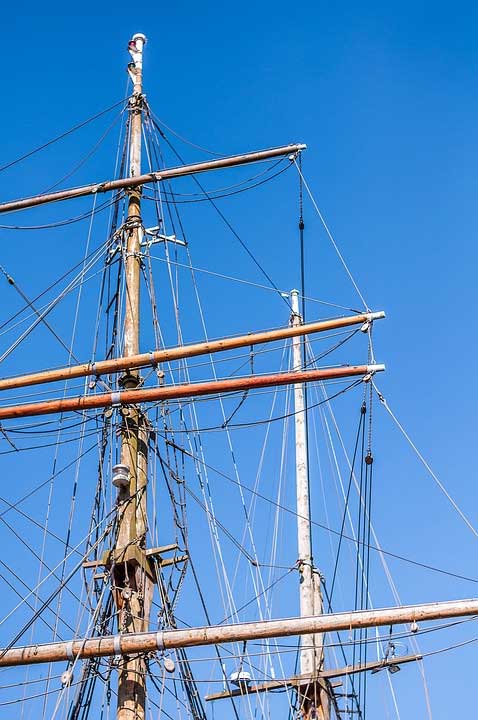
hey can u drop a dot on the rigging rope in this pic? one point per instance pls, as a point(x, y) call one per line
point(222, 216)
point(61, 223)
point(383, 560)
point(330, 236)
point(407, 437)
point(60, 137)
point(42, 315)
point(89, 154)
point(328, 529)
point(205, 486)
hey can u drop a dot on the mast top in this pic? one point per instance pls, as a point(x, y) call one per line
point(135, 49)
point(137, 42)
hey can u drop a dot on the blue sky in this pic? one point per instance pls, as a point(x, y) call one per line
point(385, 96)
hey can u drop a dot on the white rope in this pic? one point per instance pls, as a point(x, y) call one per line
point(41, 314)
point(424, 462)
point(331, 238)
point(58, 565)
point(243, 281)
point(251, 513)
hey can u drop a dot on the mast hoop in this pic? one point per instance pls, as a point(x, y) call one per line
point(116, 399)
point(160, 640)
point(117, 645)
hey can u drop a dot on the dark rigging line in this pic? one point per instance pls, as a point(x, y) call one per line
point(45, 445)
point(210, 197)
point(89, 154)
point(253, 423)
point(62, 223)
point(195, 195)
point(344, 515)
point(40, 315)
point(59, 137)
point(221, 214)
point(184, 140)
point(56, 282)
point(321, 525)
point(51, 597)
point(49, 479)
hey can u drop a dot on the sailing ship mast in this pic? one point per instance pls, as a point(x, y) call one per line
point(314, 698)
point(131, 573)
point(129, 560)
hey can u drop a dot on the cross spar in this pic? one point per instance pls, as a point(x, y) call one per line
point(128, 643)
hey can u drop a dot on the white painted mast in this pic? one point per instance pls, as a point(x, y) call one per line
point(311, 646)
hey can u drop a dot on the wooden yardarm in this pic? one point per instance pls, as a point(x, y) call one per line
point(108, 645)
point(155, 357)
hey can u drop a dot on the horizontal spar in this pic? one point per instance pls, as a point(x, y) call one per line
point(130, 643)
point(152, 177)
point(304, 681)
point(175, 392)
point(104, 367)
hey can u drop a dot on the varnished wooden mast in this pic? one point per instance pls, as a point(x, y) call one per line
point(132, 583)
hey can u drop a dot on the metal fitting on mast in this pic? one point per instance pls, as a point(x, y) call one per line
point(135, 48)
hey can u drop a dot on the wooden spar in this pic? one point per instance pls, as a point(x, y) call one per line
point(131, 643)
point(152, 177)
point(175, 392)
point(299, 681)
point(104, 367)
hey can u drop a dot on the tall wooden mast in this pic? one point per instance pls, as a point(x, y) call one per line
point(314, 700)
point(131, 575)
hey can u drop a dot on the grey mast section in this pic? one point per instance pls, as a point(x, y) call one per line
point(308, 660)
point(153, 177)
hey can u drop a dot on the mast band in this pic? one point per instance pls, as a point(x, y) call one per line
point(115, 399)
point(69, 650)
point(117, 645)
point(160, 640)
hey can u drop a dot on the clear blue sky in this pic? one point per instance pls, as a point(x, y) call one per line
point(386, 98)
